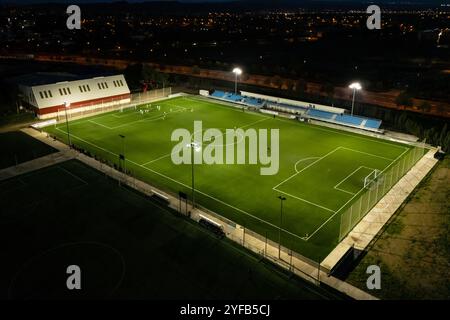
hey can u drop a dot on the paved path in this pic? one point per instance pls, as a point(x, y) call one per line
point(372, 223)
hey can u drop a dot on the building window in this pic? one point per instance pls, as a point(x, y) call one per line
point(106, 85)
point(40, 93)
point(81, 89)
point(45, 94)
point(89, 89)
point(50, 94)
point(60, 91)
point(99, 86)
point(121, 83)
point(68, 90)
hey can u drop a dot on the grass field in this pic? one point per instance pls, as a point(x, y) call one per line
point(126, 245)
point(18, 147)
point(321, 170)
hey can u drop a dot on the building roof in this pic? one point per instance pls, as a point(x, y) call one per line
point(43, 78)
point(73, 91)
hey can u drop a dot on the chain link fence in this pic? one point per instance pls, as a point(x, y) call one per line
point(112, 104)
point(368, 197)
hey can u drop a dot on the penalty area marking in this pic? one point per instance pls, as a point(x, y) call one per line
point(356, 170)
point(304, 159)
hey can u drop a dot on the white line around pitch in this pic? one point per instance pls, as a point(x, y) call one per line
point(311, 164)
point(304, 200)
point(186, 186)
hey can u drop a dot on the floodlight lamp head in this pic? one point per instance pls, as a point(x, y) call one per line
point(237, 71)
point(67, 104)
point(355, 86)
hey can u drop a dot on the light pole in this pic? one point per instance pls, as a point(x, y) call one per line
point(237, 72)
point(355, 86)
point(122, 156)
point(67, 105)
point(281, 222)
point(194, 148)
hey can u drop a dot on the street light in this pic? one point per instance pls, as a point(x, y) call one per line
point(237, 72)
point(281, 221)
point(67, 105)
point(195, 148)
point(122, 156)
point(355, 86)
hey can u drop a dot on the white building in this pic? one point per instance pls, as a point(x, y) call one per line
point(47, 97)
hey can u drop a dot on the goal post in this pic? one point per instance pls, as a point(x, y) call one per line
point(371, 178)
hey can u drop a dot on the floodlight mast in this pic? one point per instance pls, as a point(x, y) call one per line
point(281, 223)
point(237, 72)
point(67, 105)
point(193, 149)
point(355, 86)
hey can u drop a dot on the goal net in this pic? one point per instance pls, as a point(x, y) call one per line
point(372, 178)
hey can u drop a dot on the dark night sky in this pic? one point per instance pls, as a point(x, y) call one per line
point(196, 1)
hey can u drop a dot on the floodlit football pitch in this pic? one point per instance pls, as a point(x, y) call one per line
point(321, 173)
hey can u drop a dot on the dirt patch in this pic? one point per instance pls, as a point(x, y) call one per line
point(413, 251)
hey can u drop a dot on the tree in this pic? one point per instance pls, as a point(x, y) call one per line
point(328, 88)
point(300, 86)
point(404, 99)
point(425, 106)
point(277, 81)
point(443, 135)
point(133, 75)
point(195, 70)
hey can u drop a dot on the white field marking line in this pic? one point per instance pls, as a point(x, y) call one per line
point(337, 131)
point(316, 127)
point(369, 154)
point(99, 124)
point(150, 118)
point(223, 106)
point(304, 200)
point(311, 164)
point(346, 191)
point(126, 113)
point(342, 190)
point(351, 199)
point(352, 193)
point(301, 160)
point(5, 191)
point(73, 175)
point(170, 154)
point(186, 186)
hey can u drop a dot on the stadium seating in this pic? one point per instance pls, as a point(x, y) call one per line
point(373, 123)
point(345, 119)
point(357, 121)
point(218, 94)
point(342, 119)
point(321, 114)
point(253, 101)
point(237, 98)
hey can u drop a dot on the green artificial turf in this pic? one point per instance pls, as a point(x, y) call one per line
point(18, 147)
point(321, 169)
point(126, 245)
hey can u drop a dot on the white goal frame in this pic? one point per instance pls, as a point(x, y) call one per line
point(371, 178)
